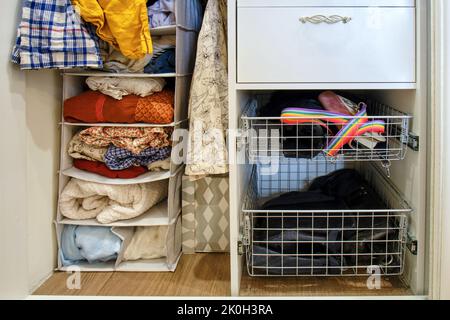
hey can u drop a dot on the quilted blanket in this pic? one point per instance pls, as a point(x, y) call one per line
point(108, 203)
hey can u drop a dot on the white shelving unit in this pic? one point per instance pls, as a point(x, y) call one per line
point(256, 69)
point(167, 212)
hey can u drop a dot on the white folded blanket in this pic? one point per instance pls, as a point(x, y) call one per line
point(119, 87)
point(108, 203)
point(147, 243)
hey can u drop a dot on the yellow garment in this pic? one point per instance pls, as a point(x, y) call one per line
point(122, 23)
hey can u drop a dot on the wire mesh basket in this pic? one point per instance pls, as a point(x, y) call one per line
point(382, 135)
point(322, 242)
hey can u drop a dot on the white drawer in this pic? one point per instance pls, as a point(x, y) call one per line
point(376, 46)
point(326, 3)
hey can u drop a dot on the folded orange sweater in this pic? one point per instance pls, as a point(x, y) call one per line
point(95, 107)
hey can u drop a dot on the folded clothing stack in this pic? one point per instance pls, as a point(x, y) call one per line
point(95, 107)
point(81, 200)
point(163, 63)
point(88, 243)
point(161, 13)
point(321, 243)
point(114, 61)
point(95, 244)
point(121, 152)
point(113, 35)
point(147, 243)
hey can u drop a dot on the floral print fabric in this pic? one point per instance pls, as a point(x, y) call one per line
point(208, 105)
point(80, 150)
point(133, 139)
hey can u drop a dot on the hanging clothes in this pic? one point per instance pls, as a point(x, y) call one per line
point(208, 104)
point(122, 23)
point(52, 35)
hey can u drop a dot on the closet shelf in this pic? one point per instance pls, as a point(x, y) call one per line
point(110, 124)
point(156, 216)
point(327, 86)
point(114, 75)
point(154, 265)
point(163, 31)
point(91, 267)
point(93, 177)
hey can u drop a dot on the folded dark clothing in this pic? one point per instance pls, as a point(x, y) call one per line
point(164, 63)
point(288, 99)
point(302, 241)
point(298, 141)
point(353, 239)
point(304, 201)
point(271, 262)
point(303, 141)
point(376, 242)
point(349, 186)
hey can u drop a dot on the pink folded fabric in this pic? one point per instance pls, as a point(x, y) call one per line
point(335, 103)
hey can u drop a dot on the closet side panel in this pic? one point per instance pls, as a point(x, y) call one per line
point(43, 98)
point(235, 185)
point(410, 175)
point(13, 215)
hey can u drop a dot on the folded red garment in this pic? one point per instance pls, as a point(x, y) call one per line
point(93, 106)
point(101, 169)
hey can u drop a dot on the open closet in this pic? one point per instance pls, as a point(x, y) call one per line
point(290, 61)
point(320, 187)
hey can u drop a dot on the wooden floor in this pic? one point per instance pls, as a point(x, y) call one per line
point(209, 275)
point(196, 275)
point(320, 286)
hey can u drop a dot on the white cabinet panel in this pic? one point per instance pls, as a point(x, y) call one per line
point(326, 3)
point(376, 46)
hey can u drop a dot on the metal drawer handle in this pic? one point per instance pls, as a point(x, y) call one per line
point(321, 19)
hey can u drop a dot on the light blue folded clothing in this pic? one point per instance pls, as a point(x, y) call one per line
point(87, 243)
point(162, 13)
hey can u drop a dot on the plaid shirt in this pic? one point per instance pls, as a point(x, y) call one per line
point(119, 159)
point(52, 35)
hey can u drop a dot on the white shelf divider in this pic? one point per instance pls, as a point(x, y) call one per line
point(155, 216)
point(163, 31)
point(93, 177)
point(93, 73)
point(110, 124)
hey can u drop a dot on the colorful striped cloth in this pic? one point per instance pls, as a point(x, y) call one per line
point(352, 127)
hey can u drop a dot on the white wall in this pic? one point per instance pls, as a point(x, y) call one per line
point(28, 164)
point(440, 233)
point(42, 123)
point(13, 210)
point(440, 152)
